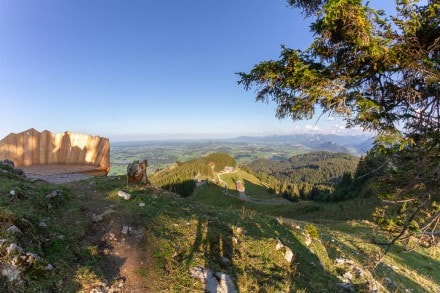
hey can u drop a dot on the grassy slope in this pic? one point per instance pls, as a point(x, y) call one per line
point(199, 231)
point(253, 187)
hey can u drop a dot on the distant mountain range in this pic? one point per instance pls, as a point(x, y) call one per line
point(353, 144)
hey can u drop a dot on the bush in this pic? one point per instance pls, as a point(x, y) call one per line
point(312, 231)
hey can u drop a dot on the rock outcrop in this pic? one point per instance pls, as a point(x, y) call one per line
point(137, 171)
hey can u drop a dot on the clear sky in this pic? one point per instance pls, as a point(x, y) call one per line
point(139, 69)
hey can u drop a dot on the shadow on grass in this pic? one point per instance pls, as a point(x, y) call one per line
point(423, 264)
point(370, 254)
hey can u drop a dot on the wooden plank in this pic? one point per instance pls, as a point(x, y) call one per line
point(102, 159)
point(65, 148)
point(19, 151)
point(12, 148)
point(92, 152)
point(69, 147)
point(84, 145)
point(51, 148)
point(5, 145)
point(27, 148)
point(75, 139)
point(44, 136)
point(35, 136)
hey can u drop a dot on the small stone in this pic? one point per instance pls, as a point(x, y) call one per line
point(288, 254)
point(125, 229)
point(308, 239)
point(49, 267)
point(214, 281)
point(279, 245)
point(358, 272)
point(346, 287)
point(390, 282)
point(348, 275)
point(100, 217)
point(97, 218)
point(225, 260)
point(31, 258)
point(13, 230)
point(373, 287)
point(13, 248)
point(3, 241)
point(141, 204)
point(12, 192)
point(12, 273)
point(53, 194)
point(176, 225)
point(124, 195)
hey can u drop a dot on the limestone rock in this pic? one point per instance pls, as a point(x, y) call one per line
point(3, 241)
point(124, 195)
point(8, 167)
point(12, 273)
point(240, 230)
point(100, 217)
point(125, 229)
point(137, 172)
point(13, 230)
point(13, 248)
point(7, 162)
point(346, 287)
point(308, 239)
point(20, 172)
point(215, 282)
point(390, 282)
point(288, 253)
point(279, 245)
point(358, 272)
point(42, 224)
point(348, 276)
point(49, 267)
point(53, 194)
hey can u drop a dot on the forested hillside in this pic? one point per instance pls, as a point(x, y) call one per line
point(180, 178)
point(305, 176)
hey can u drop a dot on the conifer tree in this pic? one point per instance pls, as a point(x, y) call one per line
point(378, 72)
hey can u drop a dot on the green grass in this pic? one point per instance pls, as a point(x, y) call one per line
point(253, 187)
point(201, 230)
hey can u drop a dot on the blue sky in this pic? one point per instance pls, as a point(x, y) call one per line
point(139, 69)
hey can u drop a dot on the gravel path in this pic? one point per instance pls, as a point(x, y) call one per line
point(59, 178)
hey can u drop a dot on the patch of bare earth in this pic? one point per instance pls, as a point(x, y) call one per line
point(123, 257)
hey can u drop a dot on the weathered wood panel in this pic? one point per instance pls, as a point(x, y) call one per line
point(32, 147)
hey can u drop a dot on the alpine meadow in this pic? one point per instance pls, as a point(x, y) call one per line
point(194, 189)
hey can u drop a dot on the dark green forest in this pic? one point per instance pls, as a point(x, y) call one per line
point(311, 176)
